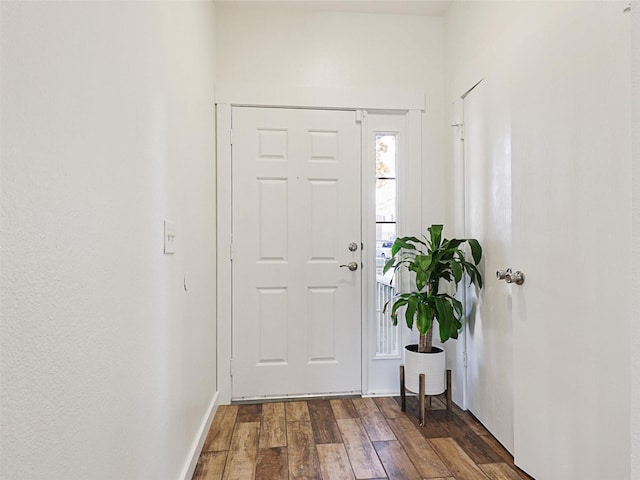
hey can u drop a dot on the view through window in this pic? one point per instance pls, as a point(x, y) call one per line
point(386, 229)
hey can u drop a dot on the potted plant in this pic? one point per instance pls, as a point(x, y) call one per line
point(438, 265)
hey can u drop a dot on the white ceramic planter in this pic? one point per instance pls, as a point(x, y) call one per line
point(433, 365)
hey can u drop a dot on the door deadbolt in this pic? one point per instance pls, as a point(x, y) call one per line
point(353, 246)
point(353, 266)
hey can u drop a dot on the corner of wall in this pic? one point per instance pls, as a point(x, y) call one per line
point(199, 439)
point(635, 234)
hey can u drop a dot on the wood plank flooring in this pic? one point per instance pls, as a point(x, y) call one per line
point(347, 439)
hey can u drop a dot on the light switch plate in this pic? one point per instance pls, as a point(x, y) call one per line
point(169, 237)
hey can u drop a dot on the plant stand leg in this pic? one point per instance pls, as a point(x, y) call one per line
point(403, 394)
point(421, 397)
point(448, 394)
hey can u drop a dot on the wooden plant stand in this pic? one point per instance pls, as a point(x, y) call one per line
point(422, 396)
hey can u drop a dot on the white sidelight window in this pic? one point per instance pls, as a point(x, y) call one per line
point(386, 148)
point(391, 208)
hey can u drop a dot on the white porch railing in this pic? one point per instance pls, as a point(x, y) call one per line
point(387, 333)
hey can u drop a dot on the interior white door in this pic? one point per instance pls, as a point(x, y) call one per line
point(571, 238)
point(296, 223)
point(487, 166)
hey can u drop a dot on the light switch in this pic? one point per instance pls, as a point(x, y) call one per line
point(169, 237)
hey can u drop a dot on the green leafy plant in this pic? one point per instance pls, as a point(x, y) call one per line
point(436, 262)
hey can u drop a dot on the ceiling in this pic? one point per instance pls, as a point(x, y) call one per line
point(403, 7)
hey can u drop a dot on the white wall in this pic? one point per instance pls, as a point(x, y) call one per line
point(347, 50)
point(108, 364)
point(480, 38)
point(318, 49)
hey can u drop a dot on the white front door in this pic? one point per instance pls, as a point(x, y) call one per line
point(487, 162)
point(296, 325)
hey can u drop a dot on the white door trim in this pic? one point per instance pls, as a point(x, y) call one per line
point(308, 97)
point(223, 253)
point(269, 95)
point(380, 374)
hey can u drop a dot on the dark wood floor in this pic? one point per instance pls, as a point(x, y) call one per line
point(362, 438)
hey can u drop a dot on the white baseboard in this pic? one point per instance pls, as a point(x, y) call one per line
point(198, 441)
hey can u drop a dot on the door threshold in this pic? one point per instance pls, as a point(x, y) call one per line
point(296, 398)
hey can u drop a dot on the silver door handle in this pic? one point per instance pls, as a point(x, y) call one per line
point(510, 277)
point(515, 277)
point(353, 266)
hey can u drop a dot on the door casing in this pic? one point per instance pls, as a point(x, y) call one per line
point(365, 100)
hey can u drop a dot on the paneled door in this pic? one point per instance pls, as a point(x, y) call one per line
point(296, 252)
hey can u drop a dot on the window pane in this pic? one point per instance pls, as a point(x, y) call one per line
point(386, 201)
point(385, 156)
point(387, 340)
point(385, 232)
point(385, 235)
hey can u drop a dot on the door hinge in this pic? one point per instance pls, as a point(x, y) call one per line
point(231, 136)
point(460, 127)
point(464, 360)
point(231, 367)
point(231, 249)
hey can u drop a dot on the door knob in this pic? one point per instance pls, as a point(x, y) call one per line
point(514, 277)
point(510, 276)
point(353, 266)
